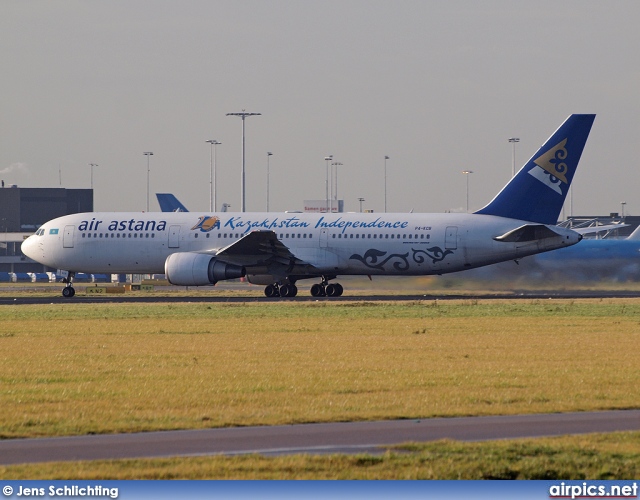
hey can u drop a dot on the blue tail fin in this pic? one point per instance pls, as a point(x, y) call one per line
point(537, 192)
point(169, 203)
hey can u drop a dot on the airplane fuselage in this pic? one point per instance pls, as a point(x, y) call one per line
point(339, 244)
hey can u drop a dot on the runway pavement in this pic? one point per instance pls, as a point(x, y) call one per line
point(7, 299)
point(351, 437)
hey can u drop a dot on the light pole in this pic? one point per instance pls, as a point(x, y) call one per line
point(361, 200)
point(335, 194)
point(385, 183)
point(513, 140)
point(269, 154)
point(148, 154)
point(243, 115)
point(212, 175)
point(327, 159)
point(91, 165)
point(467, 172)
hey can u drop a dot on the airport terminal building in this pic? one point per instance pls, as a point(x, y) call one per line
point(24, 210)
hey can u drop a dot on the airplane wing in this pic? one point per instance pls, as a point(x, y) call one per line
point(261, 248)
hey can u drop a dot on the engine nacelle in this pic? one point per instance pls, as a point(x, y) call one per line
point(198, 269)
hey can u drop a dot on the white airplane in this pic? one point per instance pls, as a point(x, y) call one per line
point(279, 249)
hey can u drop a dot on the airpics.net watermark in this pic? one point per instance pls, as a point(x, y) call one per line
point(61, 491)
point(593, 490)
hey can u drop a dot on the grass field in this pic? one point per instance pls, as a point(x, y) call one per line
point(78, 369)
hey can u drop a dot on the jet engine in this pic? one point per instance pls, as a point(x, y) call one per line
point(197, 269)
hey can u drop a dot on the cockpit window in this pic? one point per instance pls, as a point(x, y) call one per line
point(39, 232)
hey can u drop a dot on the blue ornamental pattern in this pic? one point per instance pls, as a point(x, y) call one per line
point(377, 259)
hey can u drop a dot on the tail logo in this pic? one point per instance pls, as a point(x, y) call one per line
point(550, 168)
point(206, 223)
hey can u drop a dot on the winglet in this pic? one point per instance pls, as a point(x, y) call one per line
point(537, 192)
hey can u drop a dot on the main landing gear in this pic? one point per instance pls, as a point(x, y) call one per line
point(322, 289)
point(327, 289)
point(277, 290)
point(68, 291)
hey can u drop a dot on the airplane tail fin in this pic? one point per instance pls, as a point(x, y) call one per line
point(537, 192)
point(169, 203)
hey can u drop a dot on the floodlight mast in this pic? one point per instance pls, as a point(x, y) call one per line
point(92, 165)
point(243, 115)
point(148, 154)
point(513, 141)
point(212, 175)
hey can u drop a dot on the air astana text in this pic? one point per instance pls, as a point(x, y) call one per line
point(123, 225)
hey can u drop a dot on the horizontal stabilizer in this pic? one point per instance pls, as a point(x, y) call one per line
point(528, 232)
point(598, 229)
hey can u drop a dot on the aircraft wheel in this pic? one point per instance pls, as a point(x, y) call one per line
point(289, 290)
point(318, 290)
point(331, 290)
point(68, 292)
point(271, 291)
point(334, 290)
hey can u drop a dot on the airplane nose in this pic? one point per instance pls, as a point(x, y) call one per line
point(29, 247)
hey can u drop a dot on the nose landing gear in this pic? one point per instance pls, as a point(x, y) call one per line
point(68, 291)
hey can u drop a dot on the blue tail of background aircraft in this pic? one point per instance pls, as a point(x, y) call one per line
point(169, 203)
point(537, 192)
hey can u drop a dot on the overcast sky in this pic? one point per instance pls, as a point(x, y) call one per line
point(438, 86)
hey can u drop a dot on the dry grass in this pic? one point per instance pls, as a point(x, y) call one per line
point(78, 369)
